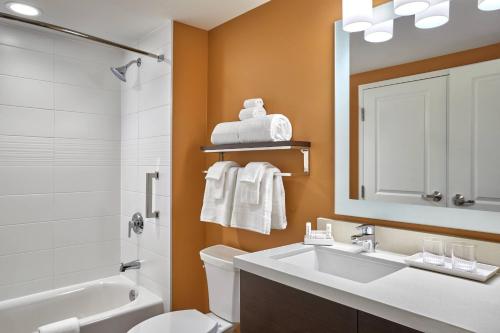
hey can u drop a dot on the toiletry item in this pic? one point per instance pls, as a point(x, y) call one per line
point(253, 102)
point(329, 229)
point(317, 237)
point(463, 257)
point(433, 251)
point(308, 228)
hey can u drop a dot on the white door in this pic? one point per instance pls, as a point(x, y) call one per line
point(404, 141)
point(474, 167)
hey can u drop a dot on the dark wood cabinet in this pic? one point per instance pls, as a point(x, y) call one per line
point(271, 307)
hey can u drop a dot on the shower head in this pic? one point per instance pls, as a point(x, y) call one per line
point(121, 72)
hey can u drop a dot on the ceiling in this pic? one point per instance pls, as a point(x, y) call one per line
point(128, 20)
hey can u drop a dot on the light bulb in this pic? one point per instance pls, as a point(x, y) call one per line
point(357, 15)
point(436, 15)
point(410, 7)
point(488, 5)
point(23, 9)
point(380, 32)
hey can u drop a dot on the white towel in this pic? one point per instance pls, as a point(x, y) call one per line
point(253, 102)
point(270, 128)
point(251, 177)
point(225, 133)
point(278, 218)
point(255, 217)
point(275, 127)
point(71, 325)
point(216, 177)
point(254, 112)
point(219, 210)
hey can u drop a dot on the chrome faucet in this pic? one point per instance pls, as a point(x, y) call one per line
point(136, 264)
point(366, 238)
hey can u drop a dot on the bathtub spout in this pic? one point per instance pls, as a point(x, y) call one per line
point(136, 264)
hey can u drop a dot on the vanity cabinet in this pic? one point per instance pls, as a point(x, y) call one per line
point(271, 307)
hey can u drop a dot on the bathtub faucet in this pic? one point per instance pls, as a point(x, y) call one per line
point(136, 264)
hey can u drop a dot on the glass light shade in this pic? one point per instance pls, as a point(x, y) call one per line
point(410, 7)
point(434, 16)
point(357, 15)
point(488, 5)
point(23, 9)
point(380, 32)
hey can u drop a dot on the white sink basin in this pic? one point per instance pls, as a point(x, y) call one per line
point(352, 266)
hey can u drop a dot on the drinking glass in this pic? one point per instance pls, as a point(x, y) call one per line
point(463, 257)
point(433, 251)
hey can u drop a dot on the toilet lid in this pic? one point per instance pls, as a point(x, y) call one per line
point(190, 321)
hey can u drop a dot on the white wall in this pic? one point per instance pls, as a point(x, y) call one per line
point(146, 147)
point(59, 161)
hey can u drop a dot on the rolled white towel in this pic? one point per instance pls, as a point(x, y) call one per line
point(271, 128)
point(253, 102)
point(225, 133)
point(70, 325)
point(257, 111)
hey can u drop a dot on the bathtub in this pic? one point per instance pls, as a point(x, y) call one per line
point(101, 306)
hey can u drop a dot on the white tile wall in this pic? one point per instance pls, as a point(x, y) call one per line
point(146, 147)
point(60, 126)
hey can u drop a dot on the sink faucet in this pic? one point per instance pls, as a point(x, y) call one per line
point(136, 264)
point(366, 238)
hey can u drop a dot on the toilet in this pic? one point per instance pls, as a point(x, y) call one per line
point(223, 294)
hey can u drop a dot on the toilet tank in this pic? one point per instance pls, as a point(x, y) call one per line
point(223, 281)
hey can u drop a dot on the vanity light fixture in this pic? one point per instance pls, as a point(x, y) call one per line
point(22, 8)
point(357, 15)
point(410, 7)
point(435, 16)
point(380, 32)
point(488, 5)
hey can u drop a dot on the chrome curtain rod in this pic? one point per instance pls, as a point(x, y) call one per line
point(160, 57)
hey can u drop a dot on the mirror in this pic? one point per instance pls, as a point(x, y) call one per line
point(422, 112)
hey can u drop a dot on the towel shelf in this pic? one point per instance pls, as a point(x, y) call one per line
point(303, 146)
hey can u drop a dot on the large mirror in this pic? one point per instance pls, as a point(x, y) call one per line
point(418, 121)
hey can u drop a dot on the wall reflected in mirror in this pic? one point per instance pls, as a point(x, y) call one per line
point(425, 113)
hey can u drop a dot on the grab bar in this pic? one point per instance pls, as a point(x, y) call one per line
point(149, 195)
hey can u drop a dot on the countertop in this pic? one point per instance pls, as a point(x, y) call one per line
point(423, 300)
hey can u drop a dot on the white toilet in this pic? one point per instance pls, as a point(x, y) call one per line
point(223, 294)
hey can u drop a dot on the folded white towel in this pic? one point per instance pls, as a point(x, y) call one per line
point(251, 177)
point(253, 102)
point(270, 128)
point(71, 325)
point(274, 127)
point(278, 218)
point(219, 210)
point(216, 177)
point(254, 112)
point(255, 217)
point(225, 133)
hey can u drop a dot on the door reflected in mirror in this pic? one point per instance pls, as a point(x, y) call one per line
point(425, 113)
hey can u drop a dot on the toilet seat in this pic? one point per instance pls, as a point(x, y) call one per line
point(191, 321)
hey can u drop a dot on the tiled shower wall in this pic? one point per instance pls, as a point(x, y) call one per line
point(146, 147)
point(59, 161)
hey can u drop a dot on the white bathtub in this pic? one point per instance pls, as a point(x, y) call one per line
point(101, 306)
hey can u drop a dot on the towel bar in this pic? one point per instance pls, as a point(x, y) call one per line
point(282, 174)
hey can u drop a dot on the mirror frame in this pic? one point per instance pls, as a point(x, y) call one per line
point(453, 221)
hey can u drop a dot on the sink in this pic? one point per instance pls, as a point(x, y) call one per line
point(353, 266)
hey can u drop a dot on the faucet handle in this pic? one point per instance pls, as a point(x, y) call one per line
point(366, 229)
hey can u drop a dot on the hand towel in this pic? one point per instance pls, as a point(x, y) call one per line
point(254, 112)
point(251, 177)
point(257, 217)
point(225, 133)
point(275, 127)
point(278, 217)
point(71, 325)
point(253, 102)
point(216, 176)
point(219, 210)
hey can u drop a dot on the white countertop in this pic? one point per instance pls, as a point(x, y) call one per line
point(423, 300)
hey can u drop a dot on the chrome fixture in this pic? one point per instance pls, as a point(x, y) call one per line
point(132, 295)
point(436, 196)
point(159, 58)
point(366, 238)
point(459, 200)
point(135, 264)
point(149, 195)
point(121, 72)
point(136, 224)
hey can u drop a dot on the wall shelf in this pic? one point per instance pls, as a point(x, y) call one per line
point(303, 146)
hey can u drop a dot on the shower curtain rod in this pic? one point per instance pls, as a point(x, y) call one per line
point(160, 57)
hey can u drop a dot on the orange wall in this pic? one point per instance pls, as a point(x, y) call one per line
point(189, 130)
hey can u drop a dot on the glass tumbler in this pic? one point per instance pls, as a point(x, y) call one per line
point(463, 257)
point(433, 251)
